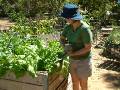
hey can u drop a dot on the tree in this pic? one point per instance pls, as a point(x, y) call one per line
point(97, 8)
point(32, 7)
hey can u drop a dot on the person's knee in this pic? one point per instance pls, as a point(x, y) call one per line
point(83, 82)
point(75, 82)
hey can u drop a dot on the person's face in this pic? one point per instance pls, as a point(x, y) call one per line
point(70, 21)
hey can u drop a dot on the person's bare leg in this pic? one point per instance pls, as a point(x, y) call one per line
point(74, 77)
point(84, 84)
point(75, 82)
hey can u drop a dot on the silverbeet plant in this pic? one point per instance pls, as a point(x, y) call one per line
point(17, 55)
point(22, 55)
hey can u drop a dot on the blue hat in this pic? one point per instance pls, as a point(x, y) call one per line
point(71, 11)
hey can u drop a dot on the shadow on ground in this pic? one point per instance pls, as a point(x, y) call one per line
point(113, 80)
point(110, 65)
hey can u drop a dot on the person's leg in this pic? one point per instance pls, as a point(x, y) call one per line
point(84, 71)
point(84, 84)
point(75, 81)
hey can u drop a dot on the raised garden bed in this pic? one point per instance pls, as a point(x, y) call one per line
point(26, 82)
point(42, 82)
point(28, 57)
point(106, 31)
point(112, 44)
point(113, 52)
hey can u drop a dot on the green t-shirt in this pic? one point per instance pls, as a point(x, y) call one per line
point(78, 38)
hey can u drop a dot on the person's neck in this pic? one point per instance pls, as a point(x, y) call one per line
point(76, 25)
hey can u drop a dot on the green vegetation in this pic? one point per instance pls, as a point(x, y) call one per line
point(27, 26)
point(114, 37)
point(23, 51)
point(31, 8)
point(21, 54)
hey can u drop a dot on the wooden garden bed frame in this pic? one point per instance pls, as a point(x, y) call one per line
point(42, 82)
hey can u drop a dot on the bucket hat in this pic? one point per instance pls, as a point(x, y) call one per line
point(71, 11)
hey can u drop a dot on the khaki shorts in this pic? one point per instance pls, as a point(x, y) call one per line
point(82, 68)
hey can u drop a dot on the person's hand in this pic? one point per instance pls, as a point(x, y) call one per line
point(67, 48)
point(70, 53)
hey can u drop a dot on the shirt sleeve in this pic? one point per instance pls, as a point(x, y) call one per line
point(87, 36)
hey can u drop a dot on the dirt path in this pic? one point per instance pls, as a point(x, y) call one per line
point(5, 24)
point(106, 73)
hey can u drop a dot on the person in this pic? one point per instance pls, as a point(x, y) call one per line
point(78, 37)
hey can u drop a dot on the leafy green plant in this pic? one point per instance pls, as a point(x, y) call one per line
point(114, 37)
point(32, 8)
point(97, 8)
point(18, 55)
point(21, 54)
point(25, 26)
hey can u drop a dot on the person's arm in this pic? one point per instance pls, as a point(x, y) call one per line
point(62, 40)
point(81, 52)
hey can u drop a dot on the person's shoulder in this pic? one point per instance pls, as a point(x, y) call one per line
point(66, 29)
point(85, 26)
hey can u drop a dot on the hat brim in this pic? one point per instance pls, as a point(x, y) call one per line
point(75, 17)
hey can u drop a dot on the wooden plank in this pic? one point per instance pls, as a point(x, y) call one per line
point(12, 85)
point(3, 84)
point(63, 85)
point(9, 82)
point(9, 85)
point(52, 78)
point(39, 80)
point(56, 83)
point(32, 87)
point(107, 29)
